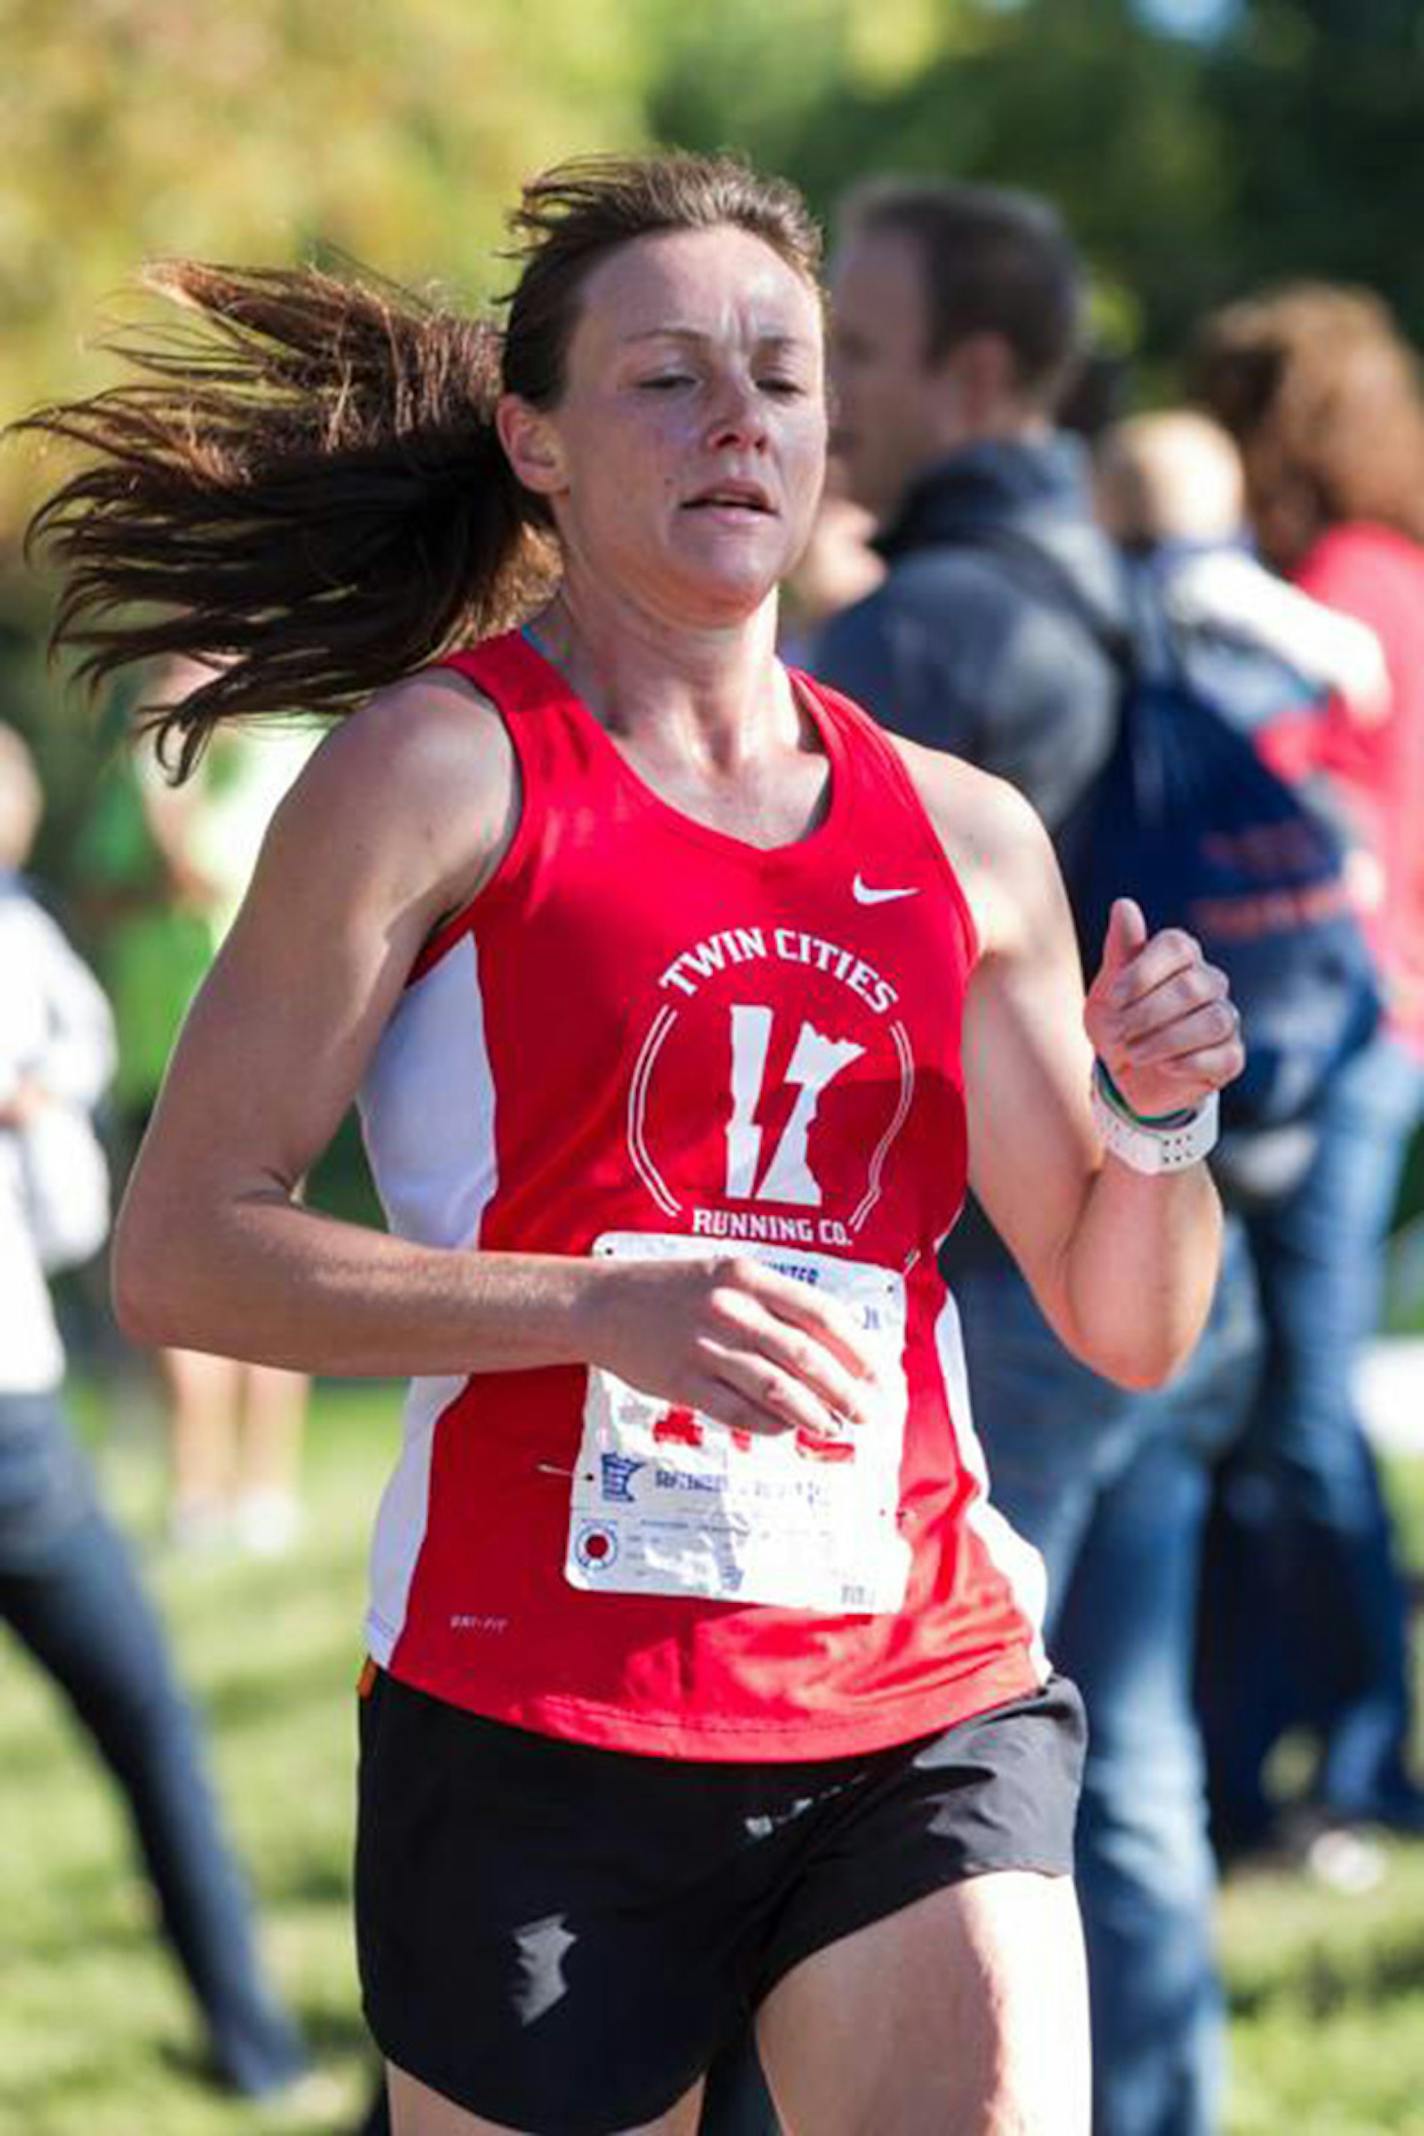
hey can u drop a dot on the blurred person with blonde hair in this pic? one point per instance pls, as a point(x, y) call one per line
point(1170, 486)
point(1321, 393)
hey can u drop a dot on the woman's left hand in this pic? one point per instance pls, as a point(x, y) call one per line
point(1160, 1017)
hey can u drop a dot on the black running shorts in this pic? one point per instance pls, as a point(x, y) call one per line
point(559, 1938)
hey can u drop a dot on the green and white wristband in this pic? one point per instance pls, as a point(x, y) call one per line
point(1168, 1142)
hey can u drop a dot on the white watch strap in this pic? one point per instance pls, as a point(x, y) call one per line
point(1156, 1149)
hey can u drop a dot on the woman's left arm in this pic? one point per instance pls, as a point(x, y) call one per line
point(1123, 1264)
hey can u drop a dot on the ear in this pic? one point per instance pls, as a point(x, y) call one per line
point(531, 445)
point(981, 375)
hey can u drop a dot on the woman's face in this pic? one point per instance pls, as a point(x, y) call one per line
point(685, 458)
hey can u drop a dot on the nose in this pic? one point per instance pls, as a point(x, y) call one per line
point(738, 417)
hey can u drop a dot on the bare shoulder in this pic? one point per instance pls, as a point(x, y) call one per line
point(418, 785)
point(994, 840)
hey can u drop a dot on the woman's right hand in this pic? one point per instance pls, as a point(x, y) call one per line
point(751, 1348)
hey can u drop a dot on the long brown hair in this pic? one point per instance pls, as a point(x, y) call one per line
point(1321, 392)
point(302, 489)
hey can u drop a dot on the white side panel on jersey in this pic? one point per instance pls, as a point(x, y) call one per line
point(1016, 1559)
point(427, 1107)
point(427, 1116)
point(401, 1521)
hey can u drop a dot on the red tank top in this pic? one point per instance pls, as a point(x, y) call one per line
point(647, 1036)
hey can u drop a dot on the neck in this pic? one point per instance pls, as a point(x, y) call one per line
point(999, 426)
point(1031, 430)
point(716, 694)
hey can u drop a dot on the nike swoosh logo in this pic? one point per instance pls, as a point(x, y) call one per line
point(864, 895)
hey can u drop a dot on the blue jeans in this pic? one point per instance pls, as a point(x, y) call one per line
point(1112, 1487)
point(1303, 1551)
point(69, 1591)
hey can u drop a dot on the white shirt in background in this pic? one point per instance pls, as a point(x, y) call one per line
point(55, 1030)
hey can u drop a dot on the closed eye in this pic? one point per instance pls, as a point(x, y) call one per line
point(665, 382)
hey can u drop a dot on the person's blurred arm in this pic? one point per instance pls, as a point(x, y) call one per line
point(79, 1051)
point(64, 1183)
point(63, 1176)
point(1227, 590)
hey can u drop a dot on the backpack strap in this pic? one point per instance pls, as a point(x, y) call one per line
point(1036, 568)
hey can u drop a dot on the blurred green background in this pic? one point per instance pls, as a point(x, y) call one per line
point(1198, 148)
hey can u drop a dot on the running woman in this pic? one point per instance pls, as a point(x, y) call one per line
point(681, 1005)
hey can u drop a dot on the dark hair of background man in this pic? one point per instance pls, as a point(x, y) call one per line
point(994, 261)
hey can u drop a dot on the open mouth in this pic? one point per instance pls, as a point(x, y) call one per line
point(733, 497)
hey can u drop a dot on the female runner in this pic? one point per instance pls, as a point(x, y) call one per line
point(679, 1004)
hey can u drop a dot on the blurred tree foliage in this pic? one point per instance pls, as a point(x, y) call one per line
point(396, 131)
point(1292, 142)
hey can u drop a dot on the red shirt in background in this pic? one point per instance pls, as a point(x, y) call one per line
point(1377, 575)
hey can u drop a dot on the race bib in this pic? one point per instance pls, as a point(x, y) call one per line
point(665, 1501)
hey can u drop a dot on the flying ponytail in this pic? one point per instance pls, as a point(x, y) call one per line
point(302, 489)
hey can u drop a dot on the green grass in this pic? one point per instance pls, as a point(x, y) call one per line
point(96, 2035)
point(96, 2038)
point(1327, 1991)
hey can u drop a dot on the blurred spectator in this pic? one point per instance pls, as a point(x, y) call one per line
point(1322, 396)
point(1094, 394)
point(68, 1588)
point(838, 566)
point(177, 861)
point(1170, 490)
point(957, 315)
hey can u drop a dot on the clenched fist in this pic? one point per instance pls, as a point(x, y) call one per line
point(1160, 1017)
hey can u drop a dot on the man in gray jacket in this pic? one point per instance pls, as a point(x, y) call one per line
point(956, 325)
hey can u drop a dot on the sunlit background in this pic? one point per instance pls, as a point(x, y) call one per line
point(1198, 148)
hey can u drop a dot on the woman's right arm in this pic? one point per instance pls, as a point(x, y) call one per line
point(400, 817)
